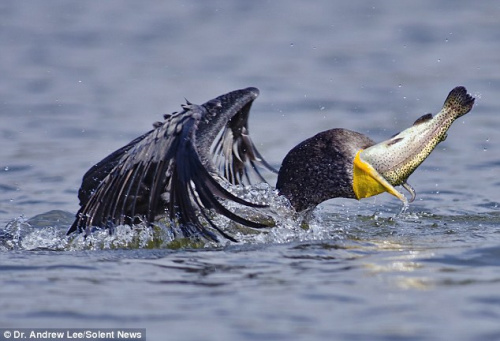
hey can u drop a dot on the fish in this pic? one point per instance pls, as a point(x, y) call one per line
point(389, 163)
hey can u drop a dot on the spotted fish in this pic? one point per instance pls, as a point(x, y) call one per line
point(389, 163)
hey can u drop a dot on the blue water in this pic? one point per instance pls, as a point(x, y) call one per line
point(81, 79)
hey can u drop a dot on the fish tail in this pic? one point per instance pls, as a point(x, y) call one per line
point(459, 102)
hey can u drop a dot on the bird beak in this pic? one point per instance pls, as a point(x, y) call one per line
point(367, 181)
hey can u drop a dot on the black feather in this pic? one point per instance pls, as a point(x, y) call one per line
point(168, 171)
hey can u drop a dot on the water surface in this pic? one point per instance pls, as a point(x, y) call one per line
point(81, 79)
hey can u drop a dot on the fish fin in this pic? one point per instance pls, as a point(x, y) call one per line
point(459, 101)
point(422, 119)
point(394, 141)
point(410, 190)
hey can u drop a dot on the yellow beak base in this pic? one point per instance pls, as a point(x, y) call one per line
point(368, 182)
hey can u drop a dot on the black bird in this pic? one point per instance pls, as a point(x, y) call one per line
point(177, 168)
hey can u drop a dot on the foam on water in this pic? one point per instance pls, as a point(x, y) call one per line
point(47, 231)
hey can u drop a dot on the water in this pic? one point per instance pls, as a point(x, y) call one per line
point(81, 79)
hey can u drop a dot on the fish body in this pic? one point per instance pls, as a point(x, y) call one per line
point(392, 161)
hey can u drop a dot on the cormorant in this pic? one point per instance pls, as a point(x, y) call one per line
point(176, 169)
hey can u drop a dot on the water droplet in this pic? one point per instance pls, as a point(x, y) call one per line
point(291, 44)
point(6, 168)
point(439, 60)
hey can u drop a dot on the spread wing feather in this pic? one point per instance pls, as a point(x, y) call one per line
point(165, 171)
point(235, 154)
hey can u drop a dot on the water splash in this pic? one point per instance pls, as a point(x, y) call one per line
point(48, 231)
point(20, 234)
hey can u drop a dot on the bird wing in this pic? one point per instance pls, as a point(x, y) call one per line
point(167, 171)
point(235, 155)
